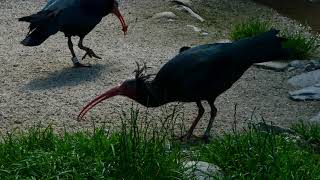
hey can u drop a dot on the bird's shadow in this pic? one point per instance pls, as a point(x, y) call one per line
point(65, 77)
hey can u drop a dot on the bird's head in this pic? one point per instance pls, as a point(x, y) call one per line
point(115, 11)
point(132, 88)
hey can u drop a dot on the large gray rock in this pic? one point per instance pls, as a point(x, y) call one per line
point(311, 93)
point(273, 65)
point(297, 64)
point(305, 79)
point(202, 170)
point(316, 63)
point(312, 65)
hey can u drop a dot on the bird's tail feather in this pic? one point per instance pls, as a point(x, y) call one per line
point(264, 47)
point(35, 37)
point(41, 27)
point(38, 17)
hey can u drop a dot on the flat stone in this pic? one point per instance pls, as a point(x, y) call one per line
point(261, 126)
point(305, 79)
point(196, 29)
point(183, 2)
point(308, 68)
point(167, 14)
point(296, 64)
point(316, 119)
point(224, 41)
point(312, 65)
point(202, 170)
point(190, 11)
point(291, 69)
point(18, 122)
point(273, 65)
point(311, 93)
point(204, 34)
point(315, 62)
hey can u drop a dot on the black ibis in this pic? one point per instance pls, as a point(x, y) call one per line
point(73, 18)
point(198, 74)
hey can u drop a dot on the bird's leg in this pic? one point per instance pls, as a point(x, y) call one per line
point(213, 114)
point(89, 51)
point(195, 122)
point(74, 59)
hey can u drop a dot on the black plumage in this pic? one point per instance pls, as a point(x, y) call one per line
point(198, 74)
point(73, 18)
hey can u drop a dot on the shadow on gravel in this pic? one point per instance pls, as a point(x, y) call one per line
point(66, 77)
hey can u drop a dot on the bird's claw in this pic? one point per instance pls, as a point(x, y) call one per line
point(79, 65)
point(90, 53)
point(206, 138)
point(190, 137)
point(185, 137)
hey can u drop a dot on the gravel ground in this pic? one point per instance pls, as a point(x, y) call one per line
point(40, 85)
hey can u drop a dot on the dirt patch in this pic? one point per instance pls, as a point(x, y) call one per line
point(38, 84)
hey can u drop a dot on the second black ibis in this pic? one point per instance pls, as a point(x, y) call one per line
point(73, 18)
point(198, 74)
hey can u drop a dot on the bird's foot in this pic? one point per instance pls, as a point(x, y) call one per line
point(79, 65)
point(90, 53)
point(206, 138)
point(186, 137)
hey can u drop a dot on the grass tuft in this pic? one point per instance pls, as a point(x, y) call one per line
point(129, 154)
point(249, 28)
point(141, 150)
point(303, 47)
point(309, 132)
point(261, 155)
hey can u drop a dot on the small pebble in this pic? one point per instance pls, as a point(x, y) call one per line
point(168, 14)
point(204, 34)
point(18, 122)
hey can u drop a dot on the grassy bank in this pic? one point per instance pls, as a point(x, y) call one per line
point(140, 152)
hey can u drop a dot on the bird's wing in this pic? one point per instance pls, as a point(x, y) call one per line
point(60, 4)
point(206, 66)
point(191, 58)
point(190, 62)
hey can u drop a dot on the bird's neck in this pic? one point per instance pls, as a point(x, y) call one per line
point(150, 95)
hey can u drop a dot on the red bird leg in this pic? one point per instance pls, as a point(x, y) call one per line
point(213, 114)
point(195, 122)
point(89, 51)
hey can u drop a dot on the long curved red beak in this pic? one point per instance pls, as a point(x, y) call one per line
point(112, 92)
point(120, 17)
